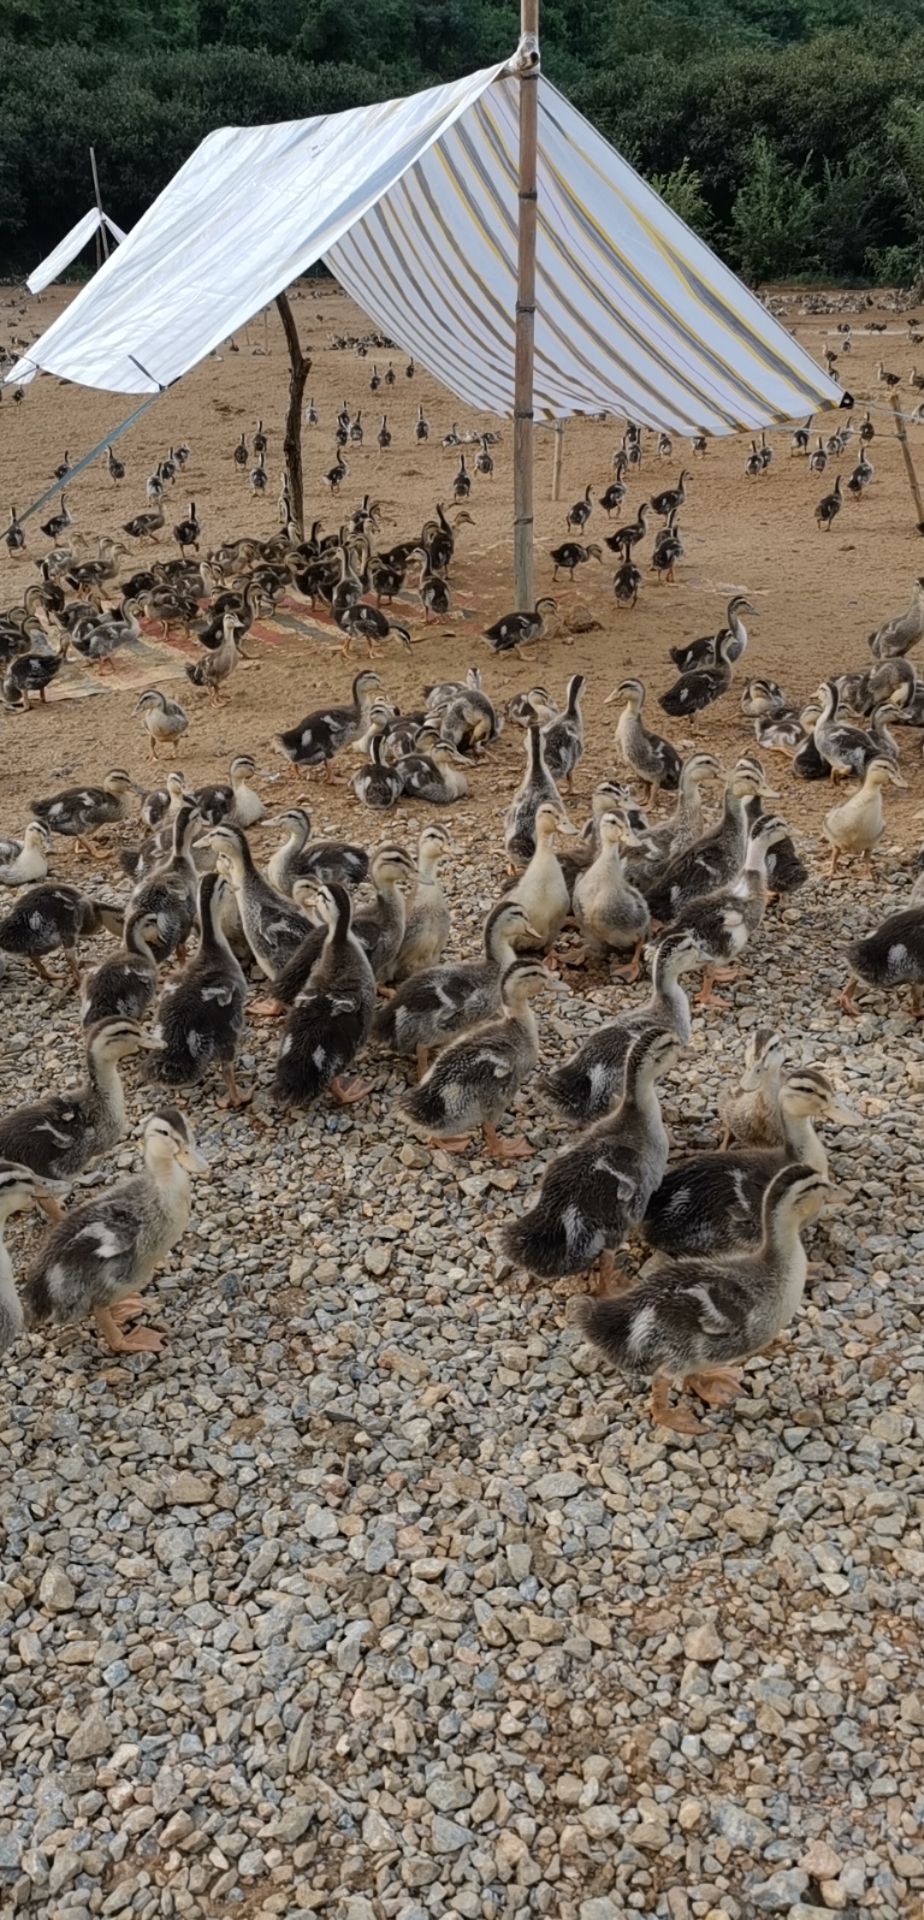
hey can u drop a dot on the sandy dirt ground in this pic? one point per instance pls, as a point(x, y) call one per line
point(819, 594)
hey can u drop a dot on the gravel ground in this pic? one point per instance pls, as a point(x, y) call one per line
point(411, 1612)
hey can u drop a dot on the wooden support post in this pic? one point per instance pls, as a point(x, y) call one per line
point(103, 236)
point(910, 468)
point(557, 453)
point(528, 70)
point(299, 369)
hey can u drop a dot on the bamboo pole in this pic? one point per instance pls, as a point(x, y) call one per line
point(299, 369)
point(910, 468)
point(557, 452)
point(528, 70)
point(103, 237)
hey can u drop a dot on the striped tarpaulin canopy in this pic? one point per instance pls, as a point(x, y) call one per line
point(413, 204)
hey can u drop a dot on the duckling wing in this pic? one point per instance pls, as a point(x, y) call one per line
point(589, 1198)
point(684, 1318)
point(90, 1258)
point(710, 1203)
point(200, 1020)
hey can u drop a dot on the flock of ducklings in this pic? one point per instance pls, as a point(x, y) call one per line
point(723, 1231)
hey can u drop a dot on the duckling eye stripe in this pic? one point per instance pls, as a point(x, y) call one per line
point(413, 204)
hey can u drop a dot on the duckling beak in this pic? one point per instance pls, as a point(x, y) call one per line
point(897, 781)
point(150, 1043)
point(615, 695)
point(193, 1161)
point(844, 1116)
point(533, 933)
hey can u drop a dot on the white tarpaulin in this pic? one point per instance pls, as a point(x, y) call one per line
point(56, 262)
point(414, 205)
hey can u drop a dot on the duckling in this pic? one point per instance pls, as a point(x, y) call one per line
point(363, 621)
point(896, 682)
point(891, 956)
point(58, 1136)
point(247, 809)
point(807, 762)
point(158, 809)
point(437, 776)
point(628, 537)
point(829, 507)
point(322, 734)
point(692, 1320)
point(819, 459)
point(145, 526)
point(186, 532)
point(19, 1189)
point(515, 630)
point(724, 921)
point(428, 924)
point(786, 870)
point(647, 755)
point(380, 931)
point(579, 514)
point(470, 720)
point(31, 673)
point(102, 1252)
point(167, 894)
point(25, 861)
point(59, 522)
point(753, 465)
point(672, 499)
point(613, 497)
point(301, 858)
point(654, 847)
point(587, 1085)
point(201, 1015)
point(79, 812)
point(433, 589)
point(760, 696)
point(215, 667)
point(377, 784)
point(332, 1016)
point(273, 928)
point(858, 824)
point(711, 1202)
point(780, 732)
point(563, 738)
point(704, 652)
point(125, 984)
point(163, 720)
point(52, 916)
point(900, 633)
point(701, 685)
point(571, 556)
point(611, 914)
point(750, 1112)
point(440, 1001)
point(535, 707)
point(536, 787)
point(475, 1078)
point(542, 890)
point(596, 1192)
point(716, 858)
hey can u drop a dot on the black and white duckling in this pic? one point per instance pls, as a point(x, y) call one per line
point(167, 894)
point(200, 1018)
point(163, 720)
point(58, 1136)
point(536, 788)
point(163, 803)
point(50, 916)
point(476, 1077)
point(705, 652)
point(439, 1001)
point(627, 537)
point(563, 738)
point(541, 889)
point(380, 931)
point(750, 1111)
point(723, 922)
point(79, 812)
point(322, 734)
point(362, 621)
point(428, 925)
point(217, 665)
point(711, 1202)
point(381, 713)
point(856, 826)
point(780, 732)
point(612, 915)
point(672, 499)
point(437, 776)
point(469, 719)
point(902, 631)
point(377, 784)
point(571, 555)
point(516, 630)
point(648, 755)
point(627, 581)
point(716, 858)
point(701, 685)
point(533, 708)
point(273, 927)
point(895, 681)
point(786, 870)
point(829, 506)
point(30, 673)
point(124, 984)
point(891, 956)
point(760, 696)
point(332, 1015)
point(301, 858)
point(19, 1188)
point(596, 1192)
point(588, 1084)
point(105, 1251)
point(693, 1321)
point(24, 862)
point(807, 762)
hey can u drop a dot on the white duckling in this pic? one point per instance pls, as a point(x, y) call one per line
point(858, 824)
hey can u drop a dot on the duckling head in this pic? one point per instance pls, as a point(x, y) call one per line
point(168, 1137)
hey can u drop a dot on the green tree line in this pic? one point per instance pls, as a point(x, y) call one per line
point(789, 132)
